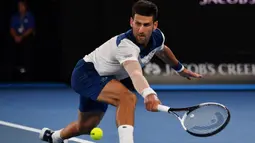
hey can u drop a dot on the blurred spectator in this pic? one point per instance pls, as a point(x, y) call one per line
point(22, 33)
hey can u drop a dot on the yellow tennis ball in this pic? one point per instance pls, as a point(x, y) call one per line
point(96, 134)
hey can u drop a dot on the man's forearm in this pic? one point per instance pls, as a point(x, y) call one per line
point(167, 56)
point(13, 33)
point(28, 32)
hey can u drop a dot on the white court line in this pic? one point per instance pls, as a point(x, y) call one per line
point(38, 131)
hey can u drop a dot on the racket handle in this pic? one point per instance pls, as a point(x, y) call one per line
point(163, 108)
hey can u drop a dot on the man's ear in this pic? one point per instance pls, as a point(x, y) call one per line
point(131, 21)
point(155, 25)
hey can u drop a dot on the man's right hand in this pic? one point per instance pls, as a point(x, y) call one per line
point(151, 102)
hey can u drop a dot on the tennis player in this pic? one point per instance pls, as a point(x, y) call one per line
point(101, 77)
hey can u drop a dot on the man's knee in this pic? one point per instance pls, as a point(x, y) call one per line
point(129, 98)
point(85, 128)
point(88, 121)
point(115, 93)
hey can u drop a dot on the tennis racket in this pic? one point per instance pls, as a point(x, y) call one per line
point(203, 120)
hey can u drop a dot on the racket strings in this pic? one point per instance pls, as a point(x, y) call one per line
point(206, 119)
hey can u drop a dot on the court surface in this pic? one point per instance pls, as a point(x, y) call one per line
point(25, 110)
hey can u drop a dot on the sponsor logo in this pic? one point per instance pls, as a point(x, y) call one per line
point(203, 68)
point(128, 56)
point(148, 57)
point(223, 2)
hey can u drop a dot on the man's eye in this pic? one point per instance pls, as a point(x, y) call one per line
point(138, 24)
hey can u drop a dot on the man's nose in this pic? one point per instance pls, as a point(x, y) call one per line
point(141, 29)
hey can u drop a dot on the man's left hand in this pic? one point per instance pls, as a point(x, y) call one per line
point(189, 74)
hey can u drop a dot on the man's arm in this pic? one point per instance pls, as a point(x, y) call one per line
point(168, 57)
point(13, 32)
point(31, 26)
point(134, 70)
point(141, 85)
point(12, 27)
point(27, 32)
point(129, 61)
point(127, 54)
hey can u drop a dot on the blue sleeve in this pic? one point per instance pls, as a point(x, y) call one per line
point(31, 21)
point(13, 22)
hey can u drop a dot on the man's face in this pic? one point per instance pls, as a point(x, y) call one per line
point(22, 7)
point(142, 28)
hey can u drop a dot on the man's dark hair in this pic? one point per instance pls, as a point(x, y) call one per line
point(145, 8)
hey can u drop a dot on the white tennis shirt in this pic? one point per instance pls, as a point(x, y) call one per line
point(108, 57)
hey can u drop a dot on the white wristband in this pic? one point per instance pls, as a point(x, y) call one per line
point(148, 91)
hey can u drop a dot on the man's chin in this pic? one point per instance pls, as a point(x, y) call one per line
point(140, 41)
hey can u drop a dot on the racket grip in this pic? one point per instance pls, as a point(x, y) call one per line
point(163, 108)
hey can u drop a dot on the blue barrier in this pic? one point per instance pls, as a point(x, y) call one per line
point(206, 87)
point(33, 85)
point(155, 87)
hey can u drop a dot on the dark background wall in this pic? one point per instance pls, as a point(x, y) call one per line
point(67, 30)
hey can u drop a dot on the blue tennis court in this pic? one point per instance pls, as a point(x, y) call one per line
point(26, 109)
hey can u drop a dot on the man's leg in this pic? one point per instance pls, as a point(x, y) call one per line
point(85, 123)
point(104, 90)
point(117, 94)
point(113, 93)
point(89, 116)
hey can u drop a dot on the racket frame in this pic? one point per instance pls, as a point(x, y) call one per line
point(187, 110)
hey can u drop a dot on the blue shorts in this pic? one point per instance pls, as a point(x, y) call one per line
point(88, 84)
